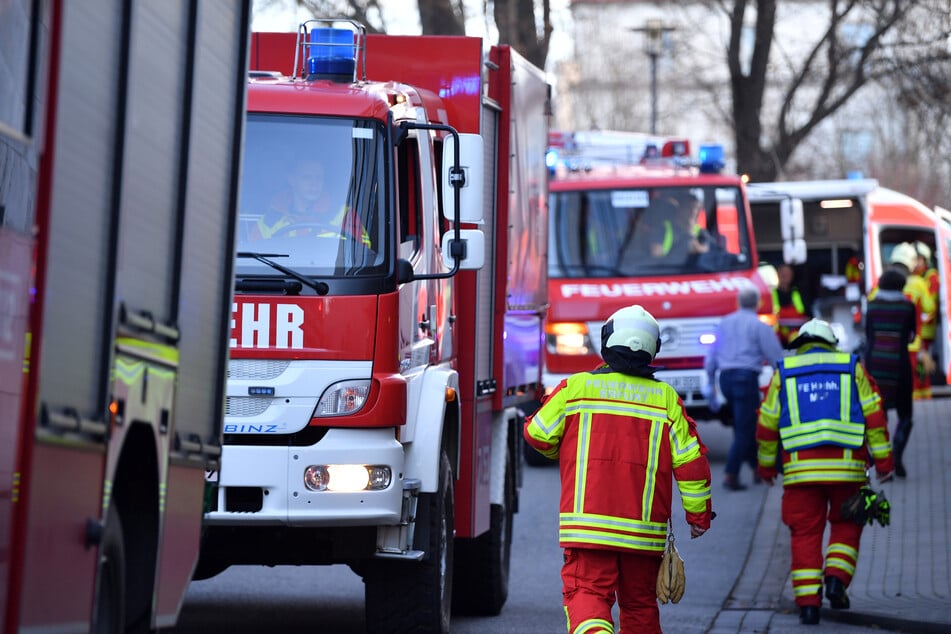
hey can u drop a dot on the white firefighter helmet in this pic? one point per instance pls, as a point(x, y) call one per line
point(923, 250)
point(814, 330)
point(634, 328)
point(904, 254)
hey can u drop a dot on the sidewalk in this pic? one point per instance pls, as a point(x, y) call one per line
point(903, 578)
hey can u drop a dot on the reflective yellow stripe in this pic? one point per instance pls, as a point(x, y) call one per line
point(590, 626)
point(792, 399)
point(650, 478)
point(617, 408)
point(612, 539)
point(162, 351)
point(581, 461)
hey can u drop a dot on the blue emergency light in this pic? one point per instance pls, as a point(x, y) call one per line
point(331, 54)
point(711, 158)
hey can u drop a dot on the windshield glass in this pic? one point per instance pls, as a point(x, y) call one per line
point(311, 197)
point(647, 232)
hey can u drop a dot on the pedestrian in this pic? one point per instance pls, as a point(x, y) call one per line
point(621, 437)
point(890, 324)
point(823, 416)
point(742, 346)
point(788, 306)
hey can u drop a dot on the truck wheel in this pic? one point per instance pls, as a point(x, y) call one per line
point(488, 557)
point(416, 596)
point(109, 616)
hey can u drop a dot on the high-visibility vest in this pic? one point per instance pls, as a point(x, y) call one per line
point(790, 317)
point(820, 402)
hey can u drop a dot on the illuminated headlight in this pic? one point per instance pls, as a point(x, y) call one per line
point(342, 398)
point(568, 338)
point(347, 477)
point(708, 338)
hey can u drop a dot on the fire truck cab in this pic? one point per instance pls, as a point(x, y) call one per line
point(635, 219)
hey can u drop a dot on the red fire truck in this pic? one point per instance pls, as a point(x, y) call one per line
point(635, 219)
point(386, 332)
point(120, 136)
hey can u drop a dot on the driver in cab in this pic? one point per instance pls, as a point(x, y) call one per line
point(678, 236)
point(305, 209)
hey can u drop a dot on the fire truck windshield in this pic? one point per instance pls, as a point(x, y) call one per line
point(311, 192)
point(647, 232)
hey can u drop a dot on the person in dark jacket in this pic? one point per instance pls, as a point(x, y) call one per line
point(890, 324)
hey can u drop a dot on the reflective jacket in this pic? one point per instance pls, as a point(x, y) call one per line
point(823, 414)
point(790, 316)
point(620, 440)
point(929, 327)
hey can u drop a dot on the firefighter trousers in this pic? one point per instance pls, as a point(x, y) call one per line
point(806, 509)
point(593, 579)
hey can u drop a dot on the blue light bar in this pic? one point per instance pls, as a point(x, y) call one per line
point(711, 158)
point(331, 54)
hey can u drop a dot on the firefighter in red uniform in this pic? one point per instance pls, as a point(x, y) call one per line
point(620, 437)
point(823, 414)
point(788, 306)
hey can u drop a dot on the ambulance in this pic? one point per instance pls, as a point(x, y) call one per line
point(838, 235)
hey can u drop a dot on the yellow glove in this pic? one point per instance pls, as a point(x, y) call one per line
point(671, 580)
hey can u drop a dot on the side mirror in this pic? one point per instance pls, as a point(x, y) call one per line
point(793, 230)
point(472, 244)
point(471, 166)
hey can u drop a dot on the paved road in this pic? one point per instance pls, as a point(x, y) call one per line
point(330, 599)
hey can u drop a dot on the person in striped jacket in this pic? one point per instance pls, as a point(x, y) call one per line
point(620, 437)
point(823, 417)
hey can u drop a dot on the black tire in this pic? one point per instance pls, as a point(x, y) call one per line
point(416, 596)
point(109, 615)
point(484, 562)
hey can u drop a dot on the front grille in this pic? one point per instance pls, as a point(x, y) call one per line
point(256, 369)
point(241, 406)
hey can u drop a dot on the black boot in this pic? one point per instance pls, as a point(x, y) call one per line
point(835, 593)
point(809, 615)
point(902, 432)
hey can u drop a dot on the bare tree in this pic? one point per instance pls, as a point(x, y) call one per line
point(897, 43)
point(515, 20)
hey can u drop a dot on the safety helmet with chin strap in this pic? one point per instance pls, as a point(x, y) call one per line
point(814, 331)
point(633, 328)
point(923, 250)
point(905, 254)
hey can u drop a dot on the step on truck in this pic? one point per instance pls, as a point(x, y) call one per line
point(120, 138)
point(387, 325)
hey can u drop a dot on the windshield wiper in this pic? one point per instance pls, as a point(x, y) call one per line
point(321, 288)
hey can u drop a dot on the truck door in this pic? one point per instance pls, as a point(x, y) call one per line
point(942, 255)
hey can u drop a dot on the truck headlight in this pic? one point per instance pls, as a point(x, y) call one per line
point(568, 338)
point(347, 477)
point(345, 397)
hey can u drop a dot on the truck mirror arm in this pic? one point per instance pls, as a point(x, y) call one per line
point(458, 180)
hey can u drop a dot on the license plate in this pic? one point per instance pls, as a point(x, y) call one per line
point(683, 384)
